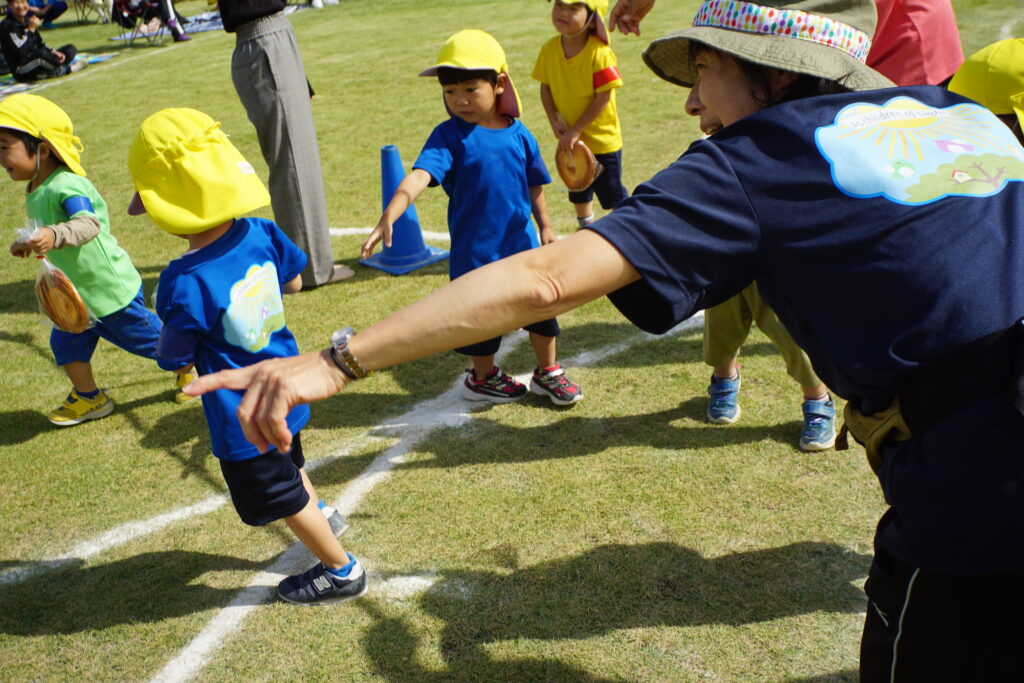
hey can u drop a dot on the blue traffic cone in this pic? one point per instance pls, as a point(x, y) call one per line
point(407, 251)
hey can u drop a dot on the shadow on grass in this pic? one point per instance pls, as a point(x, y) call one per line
point(145, 588)
point(847, 676)
point(612, 588)
point(580, 436)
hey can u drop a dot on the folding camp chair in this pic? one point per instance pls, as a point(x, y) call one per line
point(91, 10)
point(139, 19)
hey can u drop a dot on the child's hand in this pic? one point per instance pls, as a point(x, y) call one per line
point(32, 21)
point(547, 235)
point(383, 230)
point(59, 55)
point(40, 242)
point(558, 127)
point(568, 140)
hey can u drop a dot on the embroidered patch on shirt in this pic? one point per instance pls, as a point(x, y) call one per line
point(913, 153)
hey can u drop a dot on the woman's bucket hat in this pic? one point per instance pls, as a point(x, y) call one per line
point(825, 38)
point(41, 118)
point(188, 176)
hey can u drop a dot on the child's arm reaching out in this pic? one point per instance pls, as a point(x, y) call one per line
point(73, 233)
point(409, 189)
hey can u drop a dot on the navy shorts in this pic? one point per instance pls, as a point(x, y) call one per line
point(607, 185)
point(268, 487)
point(545, 328)
point(134, 328)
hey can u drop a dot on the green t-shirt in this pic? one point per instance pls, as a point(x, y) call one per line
point(101, 270)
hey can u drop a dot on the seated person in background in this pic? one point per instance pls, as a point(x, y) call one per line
point(47, 11)
point(153, 13)
point(27, 56)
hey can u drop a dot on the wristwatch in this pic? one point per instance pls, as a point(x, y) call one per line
point(342, 356)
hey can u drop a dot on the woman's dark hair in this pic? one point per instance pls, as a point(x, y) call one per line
point(759, 79)
point(449, 75)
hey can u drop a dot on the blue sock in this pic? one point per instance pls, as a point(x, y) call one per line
point(342, 572)
point(89, 394)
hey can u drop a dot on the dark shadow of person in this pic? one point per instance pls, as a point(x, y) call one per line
point(615, 587)
point(144, 588)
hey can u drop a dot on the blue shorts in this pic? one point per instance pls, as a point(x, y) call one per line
point(545, 328)
point(607, 185)
point(134, 328)
point(268, 487)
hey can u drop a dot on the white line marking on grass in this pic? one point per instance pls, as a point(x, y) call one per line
point(130, 531)
point(448, 409)
point(428, 234)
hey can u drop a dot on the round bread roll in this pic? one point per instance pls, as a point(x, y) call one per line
point(578, 167)
point(61, 302)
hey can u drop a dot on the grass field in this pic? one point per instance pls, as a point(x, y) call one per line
point(622, 539)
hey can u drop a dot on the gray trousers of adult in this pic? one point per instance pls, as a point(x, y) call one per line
point(267, 71)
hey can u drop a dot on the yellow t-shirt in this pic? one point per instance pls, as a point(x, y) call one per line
point(574, 82)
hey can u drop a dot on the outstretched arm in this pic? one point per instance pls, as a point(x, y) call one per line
point(533, 285)
point(408, 190)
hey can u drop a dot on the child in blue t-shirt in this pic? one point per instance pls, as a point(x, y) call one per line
point(221, 305)
point(491, 168)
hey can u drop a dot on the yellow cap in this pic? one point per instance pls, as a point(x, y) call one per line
point(473, 49)
point(188, 176)
point(994, 76)
point(41, 118)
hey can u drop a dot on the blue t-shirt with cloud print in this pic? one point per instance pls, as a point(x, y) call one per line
point(886, 229)
point(222, 308)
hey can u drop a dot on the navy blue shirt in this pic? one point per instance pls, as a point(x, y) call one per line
point(885, 229)
point(222, 308)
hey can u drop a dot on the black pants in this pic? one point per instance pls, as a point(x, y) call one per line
point(923, 626)
point(39, 68)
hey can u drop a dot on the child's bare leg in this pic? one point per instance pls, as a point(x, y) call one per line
point(312, 529)
point(544, 348)
point(584, 210)
point(482, 366)
point(727, 370)
point(80, 374)
point(815, 393)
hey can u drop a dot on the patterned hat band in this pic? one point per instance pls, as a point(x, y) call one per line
point(748, 17)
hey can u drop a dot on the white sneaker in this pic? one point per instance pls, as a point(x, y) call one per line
point(316, 4)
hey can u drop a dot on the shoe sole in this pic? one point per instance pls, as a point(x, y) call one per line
point(102, 412)
point(476, 396)
point(815, 446)
point(725, 420)
point(541, 391)
point(329, 601)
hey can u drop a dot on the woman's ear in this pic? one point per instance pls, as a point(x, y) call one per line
point(784, 79)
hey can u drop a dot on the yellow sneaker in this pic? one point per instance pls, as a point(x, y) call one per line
point(78, 409)
point(181, 381)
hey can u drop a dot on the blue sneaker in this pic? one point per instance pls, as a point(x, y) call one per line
point(318, 586)
point(819, 425)
point(724, 409)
